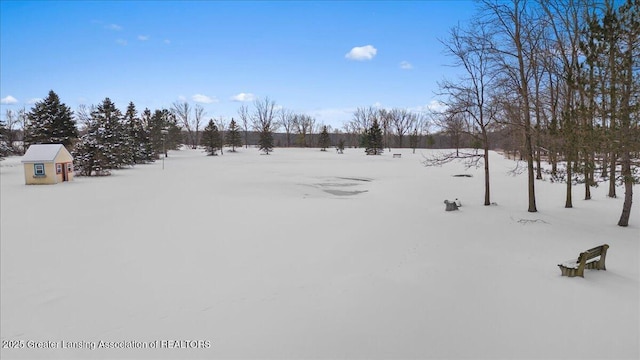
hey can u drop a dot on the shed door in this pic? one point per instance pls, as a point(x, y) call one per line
point(65, 173)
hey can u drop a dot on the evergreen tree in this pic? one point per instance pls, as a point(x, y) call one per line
point(111, 135)
point(340, 146)
point(263, 123)
point(233, 137)
point(163, 121)
point(265, 141)
point(129, 147)
point(174, 138)
point(5, 148)
point(325, 140)
point(147, 123)
point(144, 151)
point(87, 159)
point(139, 143)
point(211, 139)
point(374, 144)
point(155, 126)
point(104, 146)
point(364, 139)
point(50, 122)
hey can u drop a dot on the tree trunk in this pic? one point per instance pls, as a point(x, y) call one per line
point(628, 189)
point(527, 123)
point(627, 140)
point(588, 176)
point(569, 200)
point(613, 103)
point(487, 198)
point(612, 175)
point(538, 165)
point(531, 177)
point(605, 162)
point(553, 158)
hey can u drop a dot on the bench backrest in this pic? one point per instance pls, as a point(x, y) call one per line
point(592, 253)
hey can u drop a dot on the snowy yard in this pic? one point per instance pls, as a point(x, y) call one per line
point(309, 254)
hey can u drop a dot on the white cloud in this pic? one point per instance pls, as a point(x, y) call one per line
point(204, 99)
point(8, 100)
point(405, 65)
point(33, 100)
point(377, 105)
point(437, 105)
point(143, 37)
point(167, 41)
point(243, 97)
point(121, 42)
point(114, 27)
point(361, 53)
point(432, 106)
point(182, 98)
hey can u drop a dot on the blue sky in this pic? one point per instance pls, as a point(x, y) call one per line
point(321, 58)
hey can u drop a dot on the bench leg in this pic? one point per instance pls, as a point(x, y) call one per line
point(603, 256)
point(580, 270)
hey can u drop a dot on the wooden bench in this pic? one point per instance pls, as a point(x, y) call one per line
point(586, 260)
point(397, 155)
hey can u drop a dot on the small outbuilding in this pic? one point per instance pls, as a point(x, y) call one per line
point(47, 164)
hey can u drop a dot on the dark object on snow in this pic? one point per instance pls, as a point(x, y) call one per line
point(463, 175)
point(576, 267)
point(450, 205)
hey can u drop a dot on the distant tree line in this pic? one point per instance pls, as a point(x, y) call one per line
point(263, 124)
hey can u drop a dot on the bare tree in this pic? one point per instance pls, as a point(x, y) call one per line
point(316, 129)
point(83, 115)
point(286, 119)
point(564, 20)
point(14, 122)
point(422, 123)
point(363, 118)
point(384, 120)
point(352, 133)
point(198, 113)
point(456, 125)
point(470, 98)
point(514, 20)
point(419, 127)
point(243, 113)
point(303, 125)
point(401, 121)
point(182, 112)
point(222, 125)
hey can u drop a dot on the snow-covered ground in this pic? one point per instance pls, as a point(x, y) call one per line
point(309, 254)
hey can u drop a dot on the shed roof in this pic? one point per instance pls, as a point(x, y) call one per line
point(42, 152)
